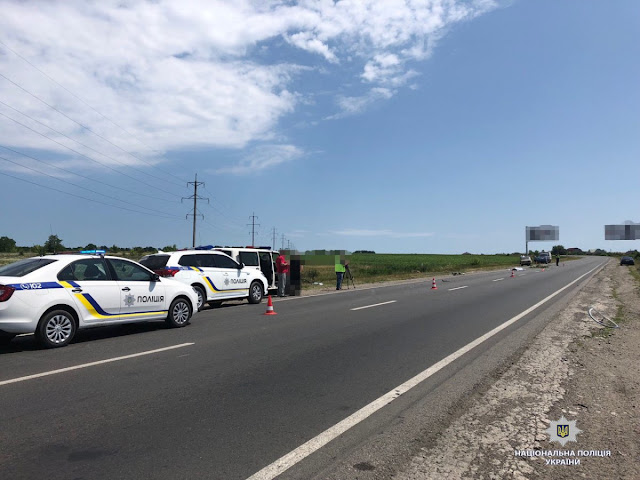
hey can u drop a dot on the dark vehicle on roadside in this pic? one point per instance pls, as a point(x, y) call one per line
point(544, 257)
point(627, 261)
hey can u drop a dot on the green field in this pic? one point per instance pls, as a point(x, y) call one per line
point(367, 267)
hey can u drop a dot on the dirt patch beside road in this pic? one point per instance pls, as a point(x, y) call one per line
point(575, 369)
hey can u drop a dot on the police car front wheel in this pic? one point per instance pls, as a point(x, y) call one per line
point(179, 313)
point(56, 329)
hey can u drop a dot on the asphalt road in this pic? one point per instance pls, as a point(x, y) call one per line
point(241, 390)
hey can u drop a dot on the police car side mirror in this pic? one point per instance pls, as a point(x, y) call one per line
point(155, 277)
point(240, 266)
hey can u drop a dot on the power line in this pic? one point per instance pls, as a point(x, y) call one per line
point(85, 103)
point(64, 135)
point(253, 228)
point(78, 123)
point(82, 154)
point(81, 197)
point(195, 199)
point(83, 176)
point(76, 185)
point(236, 224)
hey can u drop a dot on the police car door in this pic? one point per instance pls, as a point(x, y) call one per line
point(94, 290)
point(236, 282)
point(210, 275)
point(141, 298)
point(268, 268)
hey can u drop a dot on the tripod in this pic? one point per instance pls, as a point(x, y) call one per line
point(347, 275)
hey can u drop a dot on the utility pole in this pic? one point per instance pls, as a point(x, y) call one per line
point(282, 245)
point(274, 238)
point(195, 199)
point(253, 228)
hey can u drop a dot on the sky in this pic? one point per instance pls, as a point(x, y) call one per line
point(398, 126)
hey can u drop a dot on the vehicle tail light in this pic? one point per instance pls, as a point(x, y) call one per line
point(168, 271)
point(5, 292)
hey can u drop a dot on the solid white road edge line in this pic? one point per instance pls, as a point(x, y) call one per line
point(92, 364)
point(498, 279)
point(374, 305)
point(458, 288)
point(284, 463)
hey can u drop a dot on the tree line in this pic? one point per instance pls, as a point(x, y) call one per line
point(54, 244)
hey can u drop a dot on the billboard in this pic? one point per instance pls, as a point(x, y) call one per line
point(627, 231)
point(543, 233)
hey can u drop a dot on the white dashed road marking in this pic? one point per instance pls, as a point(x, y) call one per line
point(374, 305)
point(92, 364)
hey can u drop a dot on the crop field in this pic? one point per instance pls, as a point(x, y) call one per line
point(367, 267)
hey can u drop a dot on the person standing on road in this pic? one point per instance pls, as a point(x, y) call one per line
point(340, 269)
point(557, 260)
point(282, 267)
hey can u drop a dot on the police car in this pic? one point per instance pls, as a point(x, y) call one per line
point(54, 295)
point(214, 275)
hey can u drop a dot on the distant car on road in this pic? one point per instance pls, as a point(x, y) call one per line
point(627, 261)
point(525, 260)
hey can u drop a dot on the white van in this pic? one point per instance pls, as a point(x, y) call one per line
point(262, 259)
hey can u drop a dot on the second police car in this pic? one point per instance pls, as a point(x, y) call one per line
point(54, 295)
point(214, 275)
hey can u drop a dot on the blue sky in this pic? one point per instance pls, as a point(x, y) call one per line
point(399, 126)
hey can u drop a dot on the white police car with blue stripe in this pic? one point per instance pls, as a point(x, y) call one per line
point(54, 295)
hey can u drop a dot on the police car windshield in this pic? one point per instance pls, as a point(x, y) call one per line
point(24, 267)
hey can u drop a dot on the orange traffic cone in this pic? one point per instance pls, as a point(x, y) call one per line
point(270, 308)
point(513, 274)
point(433, 284)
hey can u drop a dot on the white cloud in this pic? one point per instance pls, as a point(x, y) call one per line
point(263, 157)
point(202, 73)
point(355, 105)
point(380, 233)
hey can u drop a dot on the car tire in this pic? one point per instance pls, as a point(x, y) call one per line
point(255, 293)
point(56, 329)
point(179, 313)
point(202, 296)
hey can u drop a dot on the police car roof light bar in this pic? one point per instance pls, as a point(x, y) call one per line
point(94, 252)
